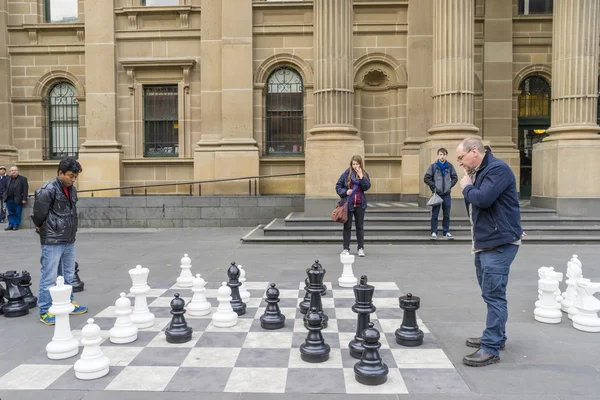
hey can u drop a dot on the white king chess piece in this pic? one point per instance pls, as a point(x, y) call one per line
point(573, 273)
point(224, 317)
point(186, 278)
point(199, 306)
point(548, 309)
point(587, 306)
point(93, 364)
point(244, 293)
point(124, 330)
point(141, 316)
point(347, 279)
point(63, 344)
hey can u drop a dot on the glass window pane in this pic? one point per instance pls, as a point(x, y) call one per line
point(160, 2)
point(161, 121)
point(63, 122)
point(61, 11)
point(540, 6)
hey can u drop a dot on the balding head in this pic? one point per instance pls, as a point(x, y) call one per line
point(470, 152)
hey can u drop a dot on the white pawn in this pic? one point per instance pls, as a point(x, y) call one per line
point(63, 344)
point(224, 317)
point(548, 309)
point(93, 364)
point(573, 273)
point(141, 316)
point(124, 330)
point(186, 278)
point(347, 279)
point(244, 293)
point(587, 306)
point(199, 306)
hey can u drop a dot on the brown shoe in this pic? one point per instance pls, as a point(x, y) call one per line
point(480, 358)
point(475, 342)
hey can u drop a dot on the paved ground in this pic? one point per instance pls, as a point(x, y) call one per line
point(541, 361)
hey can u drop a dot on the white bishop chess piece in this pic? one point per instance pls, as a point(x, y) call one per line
point(93, 364)
point(587, 306)
point(347, 279)
point(141, 316)
point(244, 293)
point(224, 317)
point(186, 278)
point(63, 344)
point(199, 306)
point(573, 273)
point(124, 330)
point(548, 309)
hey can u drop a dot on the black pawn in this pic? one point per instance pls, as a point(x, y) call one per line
point(234, 284)
point(409, 334)
point(314, 349)
point(316, 274)
point(178, 330)
point(272, 317)
point(324, 288)
point(15, 294)
point(305, 304)
point(2, 293)
point(371, 370)
point(29, 298)
point(77, 283)
point(363, 295)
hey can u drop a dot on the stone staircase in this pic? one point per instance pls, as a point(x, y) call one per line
point(406, 223)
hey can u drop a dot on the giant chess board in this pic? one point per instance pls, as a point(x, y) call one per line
point(247, 358)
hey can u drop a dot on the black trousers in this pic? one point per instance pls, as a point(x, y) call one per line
point(359, 217)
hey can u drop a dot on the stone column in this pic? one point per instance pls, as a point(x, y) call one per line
point(8, 153)
point(333, 139)
point(565, 164)
point(100, 154)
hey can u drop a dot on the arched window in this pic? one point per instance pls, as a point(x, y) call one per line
point(284, 113)
point(61, 138)
point(534, 99)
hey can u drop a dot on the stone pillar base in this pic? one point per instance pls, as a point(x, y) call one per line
point(8, 156)
point(411, 174)
point(102, 168)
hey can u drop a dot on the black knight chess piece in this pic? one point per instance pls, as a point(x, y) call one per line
point(315, 286)
point(363, 295)
point(371, 370)
point(272, 317)
point(305, 304)
point(239, 307)
point(178, 330)
point(409, 333)
point(2, 293)
point(29, 298)
point(77, 284)
point(15, 294)
point(314, 349)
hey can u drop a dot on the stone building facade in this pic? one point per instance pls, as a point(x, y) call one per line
point(157, 91)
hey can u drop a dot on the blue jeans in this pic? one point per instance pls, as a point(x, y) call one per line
point(492, 268)
point(435, 212)
point(57, 259)
point(14, 213)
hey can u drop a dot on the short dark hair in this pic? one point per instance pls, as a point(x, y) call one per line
point(443, 150)
point(69, 165)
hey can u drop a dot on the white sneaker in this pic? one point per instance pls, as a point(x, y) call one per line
point(361, 253)
point(345, 252)
point(433, 236)
point(449, 236)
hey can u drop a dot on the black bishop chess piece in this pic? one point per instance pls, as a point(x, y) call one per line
point(15, 294)
point(305, 304)
point(409, 334)
point(29, 298)
point(371, 370)
point(2, 294)
point(77, 284)
point(272, 317)
point(363, 295)
point(239, 307)
point(178, 330)
point(315, 287)
point(314, 349)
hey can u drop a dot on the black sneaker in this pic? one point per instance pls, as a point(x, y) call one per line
point(475, 342)
point(480, 358)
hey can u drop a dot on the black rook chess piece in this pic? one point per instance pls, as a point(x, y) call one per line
point(272, 317)
point(409, 333)
point(371, 370)
point(314, 349)
point(77, 283)
point(234, 284)
point(178, 330)
point(29, 298)
point(15, 306)
point(363, 295)
point(315, 286)
point(305, 304)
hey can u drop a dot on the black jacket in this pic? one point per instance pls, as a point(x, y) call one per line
point(20, 189)
point(55, 214)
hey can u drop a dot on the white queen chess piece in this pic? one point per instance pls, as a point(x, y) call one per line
point(347, 279)
point(141, 316)
point(63, 344)
point(244, 293)
point(224, 317)
point(124, 330)
point(548, 309)
point(186, 278)
point(199, 305)
point(587, 306)
point(573, 273)
point(93, 364)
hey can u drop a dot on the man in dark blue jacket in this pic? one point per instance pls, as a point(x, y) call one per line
point(490, 192)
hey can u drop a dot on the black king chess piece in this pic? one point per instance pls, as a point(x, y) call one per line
point(234, 284)
point(371, 370)
point(305, 304)
point(178, 330)
point(272, 317)
point(29, 298)
point(363, 295)
point(315, 286)
point(15, 294)
point(409, 333)
point(314, 349)
point(77, 283)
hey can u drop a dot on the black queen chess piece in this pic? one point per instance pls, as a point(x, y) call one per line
point(316, 274)
point(178, 330)
point(77, 283)
point(363, 295)
point(371, 370)
point(239, 307)
point(409, 334)
point(314, 349)
point(29, 298)
point(324, 287)
point(272, 317)
point(305, 304)
point(15, 294)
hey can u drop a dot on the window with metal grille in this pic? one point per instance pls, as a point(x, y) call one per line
point(284, 117)
point(60, 11)
point(527, 7)
point(534, 100)
point(161, 121)
point(61, 133)
point(160, 2)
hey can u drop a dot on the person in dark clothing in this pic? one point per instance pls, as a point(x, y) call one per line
point(3, 181)
point(441, 178)
point(15, 196)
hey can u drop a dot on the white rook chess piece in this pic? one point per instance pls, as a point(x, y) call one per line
point(63, 344)
point(93, 364)
point(587, 306)
point(124, 330)
point(141, 316)
point(199, 306)
point(573, 273)
point(548, 309)
point(244, 293)
point(347, 279)
point(224, 317)
point(185, 278)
